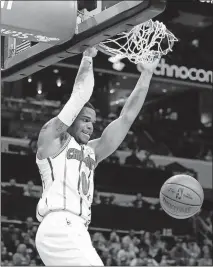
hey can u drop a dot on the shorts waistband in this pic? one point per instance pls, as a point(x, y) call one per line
point(69, 216)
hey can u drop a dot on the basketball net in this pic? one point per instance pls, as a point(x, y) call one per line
point(142, 44)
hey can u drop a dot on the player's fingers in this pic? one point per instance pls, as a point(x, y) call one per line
point(91, 51)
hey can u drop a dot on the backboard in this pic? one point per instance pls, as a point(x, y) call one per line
point(87, 28)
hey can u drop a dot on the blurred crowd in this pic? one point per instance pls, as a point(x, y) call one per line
point(31, 190)
point(155, 132)
point(140, 248)
point(115, 248)
point(151, 249)
point(18, 245)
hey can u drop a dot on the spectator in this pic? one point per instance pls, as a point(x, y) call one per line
point(132, 240)
point(138, 202)
point(21, 257)
point(13, 189)
point(10, 236)
point(114, 253)
point(141, 237)
point(206, 249)
point(134, 143)
point(30, 244)
point(29, 223)
point(32, 232)
point(99, 242)
point(147, 162)
point(156, 249)
point(109, 261)
point(206, 260)
point(193, 249)
point(135, 244)
point(114, 237)
point(5, 256)
point(108, 200)
point(208, 156)
point(138, 261)
point(125, 254)
point(33, 144)
point(96, 198)
point(5, 263)
point(33, 263)
point(38, 261)
point(157, 235)
point(112, 199)
point(147, 239)
point(114, 244)
point(205, 228)
point(178, 252)
point(191, 262)
point(29, 189)
point(164, 260)
point(151, 262)
point(133, 160)
point(208, 222)
point(114, 159)
point(128, 238)
point(105, 256)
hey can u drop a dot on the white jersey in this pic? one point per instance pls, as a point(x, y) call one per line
point(67, 180)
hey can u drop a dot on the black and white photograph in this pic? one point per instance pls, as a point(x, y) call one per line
point(106, 133)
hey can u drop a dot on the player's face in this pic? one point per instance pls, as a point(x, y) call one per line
point(82, 127)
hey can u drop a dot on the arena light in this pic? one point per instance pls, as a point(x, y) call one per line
point(29, 79)
point(59, 82)
point(39, 88)
point(56, 71)
point(195, 43)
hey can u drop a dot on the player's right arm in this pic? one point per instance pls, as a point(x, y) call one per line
point(82, 91)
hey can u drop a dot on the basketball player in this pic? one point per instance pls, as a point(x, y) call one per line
point(66, 160)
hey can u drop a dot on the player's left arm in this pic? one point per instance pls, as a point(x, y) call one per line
point(117, 130)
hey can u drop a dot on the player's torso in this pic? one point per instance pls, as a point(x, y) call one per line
point(67, 180)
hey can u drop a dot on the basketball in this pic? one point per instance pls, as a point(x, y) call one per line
point(181, 196)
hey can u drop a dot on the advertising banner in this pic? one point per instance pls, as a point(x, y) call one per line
point(182, 72)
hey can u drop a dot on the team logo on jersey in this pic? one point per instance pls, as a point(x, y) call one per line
point(74, 153)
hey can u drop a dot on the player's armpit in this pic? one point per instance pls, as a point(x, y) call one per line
point(51, 131)
point(111, 138)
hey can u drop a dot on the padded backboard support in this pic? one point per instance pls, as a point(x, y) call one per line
point(91, 32)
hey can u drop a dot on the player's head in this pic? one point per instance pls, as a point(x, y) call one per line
point(82, 127)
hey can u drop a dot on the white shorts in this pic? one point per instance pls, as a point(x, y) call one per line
point(62, 239)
